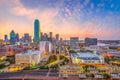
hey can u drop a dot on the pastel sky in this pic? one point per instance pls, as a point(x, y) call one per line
point(81, 18)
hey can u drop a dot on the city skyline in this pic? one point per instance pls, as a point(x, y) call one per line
point(80, 18)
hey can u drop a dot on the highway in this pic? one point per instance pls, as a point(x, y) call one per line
point(38, 74)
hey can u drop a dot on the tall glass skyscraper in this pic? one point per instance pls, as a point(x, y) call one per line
point(12, 37)
point(36, 30)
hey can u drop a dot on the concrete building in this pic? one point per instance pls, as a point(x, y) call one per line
point(45, 46)
point(86, 58)
point(74, 42)
point(90, 41)
point(30, 57)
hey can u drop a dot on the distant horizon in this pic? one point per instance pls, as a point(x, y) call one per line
point(68, 18)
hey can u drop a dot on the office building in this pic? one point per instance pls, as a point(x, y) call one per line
point(17, 37)
point(26, 38)
point(74, 42)
point(90, 41)
point(36, 30)
point(42, 36)
point(57, 37)
point(45, 37)
point(50, 37)
point(12, 37)
point(5, 38)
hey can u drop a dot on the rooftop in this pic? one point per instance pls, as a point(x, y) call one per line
point(31, 52)
point(86, 56)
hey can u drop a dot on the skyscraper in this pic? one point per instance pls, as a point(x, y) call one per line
point(57, 37)
point(17, 37)
point(12, 37)
point(45, 37)
point(41, 36)
point(36, 31)
point(5, 38)
point(50, 37)
point(26, 38)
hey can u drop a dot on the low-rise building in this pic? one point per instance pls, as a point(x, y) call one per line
point(30, 57)
point(86, 58)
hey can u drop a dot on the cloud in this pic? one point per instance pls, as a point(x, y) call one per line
point(63, 20)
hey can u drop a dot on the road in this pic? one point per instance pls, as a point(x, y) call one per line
point(30, 74)
point(39, 75)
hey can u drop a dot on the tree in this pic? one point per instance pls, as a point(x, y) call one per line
point(72, 51)
point(105, 75)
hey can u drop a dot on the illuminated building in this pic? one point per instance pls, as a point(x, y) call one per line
point(30, 57)
point(36, 30)
point(86, 58)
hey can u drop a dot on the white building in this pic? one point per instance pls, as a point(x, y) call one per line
point(45, 46)
point(87, 58)
point(30, 57)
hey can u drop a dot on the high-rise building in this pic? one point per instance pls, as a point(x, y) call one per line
point(50, 38)
point(74, 42)
point(57, 37)
point(90, 41)
point(17, 37)
point(12, 37)
point(36, 30)
point(45, 37)
point(26, 37)
point(30, 39)
point(42, 36)
point(5, 38)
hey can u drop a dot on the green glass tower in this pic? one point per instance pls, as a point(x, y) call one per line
point(36, 30)
point(12, 37)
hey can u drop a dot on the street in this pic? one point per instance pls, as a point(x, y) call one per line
point(38, 74)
